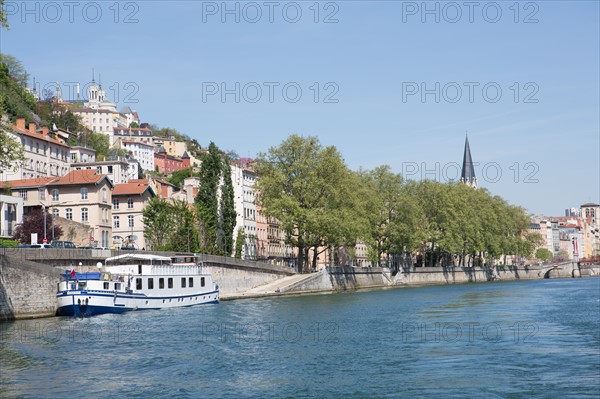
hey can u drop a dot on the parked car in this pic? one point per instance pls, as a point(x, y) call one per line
point(40, 246)
point(62, 244)
point(23, 246)
point(86, 247)
point(129, 249)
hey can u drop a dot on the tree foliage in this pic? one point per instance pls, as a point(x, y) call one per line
point(100, 143)
point(543, 254)
point(309, 189)
point(207, 199)
point(15, 100)
point(179, 176)
point(239, 243)
point(33, 222)
point(227, 210)
point(159, 223)
point(171, 226)
point(321, 204)
point(11, 151)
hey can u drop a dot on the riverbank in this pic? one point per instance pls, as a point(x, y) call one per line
point(28, 288)
point(339, 279)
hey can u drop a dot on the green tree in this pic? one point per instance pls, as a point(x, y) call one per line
point(308, 188)
point(11, 151)
point(228, 214)
point(185, 235)
point(15, 66)
point(543, 254)
point(239, 243)
point(100, 143)
point(179, 176)
point(3, 20)
point(207, 199)
point(159, 222)
point(15, 100)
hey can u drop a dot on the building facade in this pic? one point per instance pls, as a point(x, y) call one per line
point(142, 152)
point(11, 214)
point(128, 203)
point(81, 196)
point(46, 155)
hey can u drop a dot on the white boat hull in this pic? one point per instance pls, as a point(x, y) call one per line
point(87, 303)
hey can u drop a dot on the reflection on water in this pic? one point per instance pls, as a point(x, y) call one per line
point(494, 340)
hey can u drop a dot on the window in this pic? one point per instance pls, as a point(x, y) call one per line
point(106, 286)
point(115, 203)
point(69, 214)
point(104, 195)
point(23, 194)
point(54, 212)
point(110, 169)
point(170, 282)
point(42, 193)
point(84, 214)
point(116, 222)
point(150, 283)
point(55, 194)
point(117, 286)
point(183, 282)
point(138, 283)
point(99, 170)
point(130, 218)
point(84, 193)
point(129, 203)
point(201, 281)
point(161, 283)
point(191, 282)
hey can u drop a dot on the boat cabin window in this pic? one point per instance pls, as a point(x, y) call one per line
point(139, 269)
point(170, 282)
point(191, 282)
point(150, 283)
point(201, 281)
point(106, 284)
point(73, 286)
point(117, 286)
point(161, 283)
point(82, 285)
point(183, 282)
point(138, 283)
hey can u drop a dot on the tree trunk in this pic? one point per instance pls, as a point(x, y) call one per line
point(300, 259)
point(315, 254)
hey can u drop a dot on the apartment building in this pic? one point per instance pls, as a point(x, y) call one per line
point(128, 203)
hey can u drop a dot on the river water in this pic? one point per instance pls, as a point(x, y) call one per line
point(526, 339)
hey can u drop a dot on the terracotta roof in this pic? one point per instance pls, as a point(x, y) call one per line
point(80, 177)
point(131, 188)
point(26, 183)
point(39, 136)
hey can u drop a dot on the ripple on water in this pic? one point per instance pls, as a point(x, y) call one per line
point(503, 340)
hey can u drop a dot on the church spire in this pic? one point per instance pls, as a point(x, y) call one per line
point(468, 171)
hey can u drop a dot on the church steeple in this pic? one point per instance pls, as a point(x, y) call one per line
point(468, 171)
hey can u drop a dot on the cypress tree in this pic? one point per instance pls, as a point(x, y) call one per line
point(206, 200)
point(228, 214)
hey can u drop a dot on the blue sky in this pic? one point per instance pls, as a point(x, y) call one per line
point(536, 141)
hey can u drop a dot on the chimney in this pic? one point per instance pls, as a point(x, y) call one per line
point(32, 127)
point(45, 130)
point(21, 123)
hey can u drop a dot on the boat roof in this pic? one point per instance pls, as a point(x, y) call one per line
point(146, 257)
